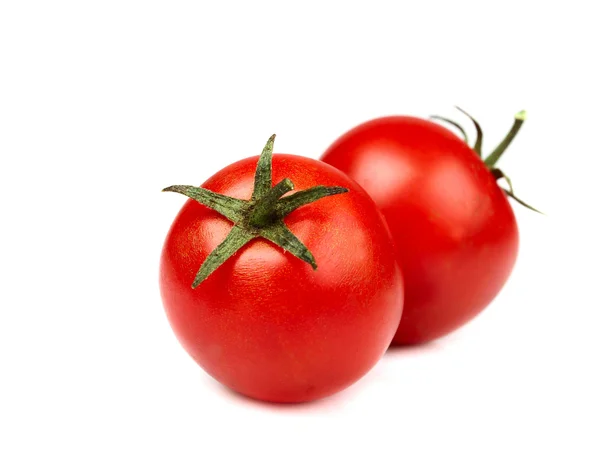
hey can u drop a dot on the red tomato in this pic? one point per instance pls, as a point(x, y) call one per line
point(265, 323)
point(454, 231)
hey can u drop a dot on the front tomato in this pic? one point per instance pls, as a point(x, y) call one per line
point(261, 320)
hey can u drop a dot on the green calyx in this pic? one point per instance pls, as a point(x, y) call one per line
point(492, 159)
point(261, 216)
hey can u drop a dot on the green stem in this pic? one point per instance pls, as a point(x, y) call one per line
point(263, 213)
point(493, 158)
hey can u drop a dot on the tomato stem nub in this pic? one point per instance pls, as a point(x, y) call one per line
point(263, 213)
point(493, 158)
point(261, 216)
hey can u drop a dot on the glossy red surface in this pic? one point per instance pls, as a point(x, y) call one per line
point(455, 232)
point(265, 324)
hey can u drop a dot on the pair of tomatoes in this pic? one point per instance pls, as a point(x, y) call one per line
point(400, 234)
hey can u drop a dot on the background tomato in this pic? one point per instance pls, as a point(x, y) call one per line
point(454, 230)
point(265, 323)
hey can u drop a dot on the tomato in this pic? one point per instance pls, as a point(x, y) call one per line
point(264, 322)
point(454, 230)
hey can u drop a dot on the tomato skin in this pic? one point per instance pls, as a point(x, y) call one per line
point(454, 230)
point(265, 324)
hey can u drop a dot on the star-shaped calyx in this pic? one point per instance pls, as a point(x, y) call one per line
point(260, 217)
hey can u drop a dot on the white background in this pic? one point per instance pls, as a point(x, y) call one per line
point(102, 104)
